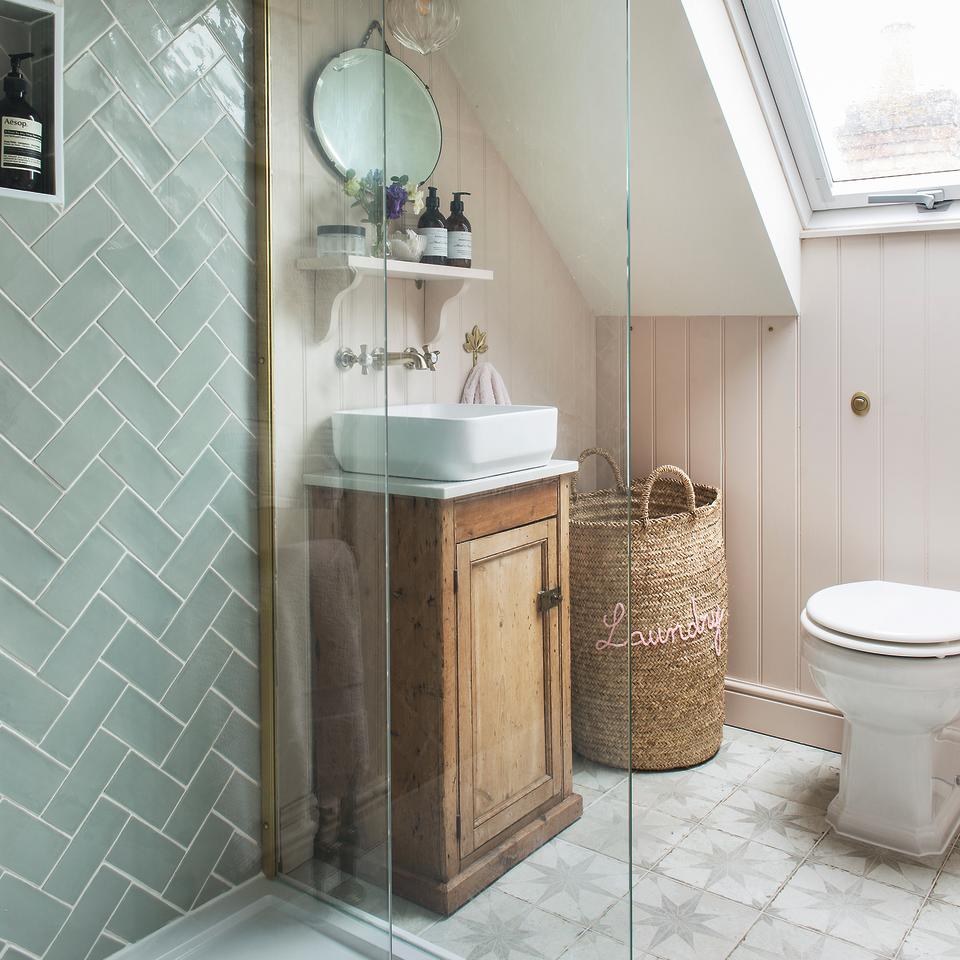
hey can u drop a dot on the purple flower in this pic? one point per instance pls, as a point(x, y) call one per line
point(396, 198)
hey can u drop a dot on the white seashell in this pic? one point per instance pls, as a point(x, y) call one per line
point(408, 245)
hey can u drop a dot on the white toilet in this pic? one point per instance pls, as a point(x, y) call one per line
point(887, 655)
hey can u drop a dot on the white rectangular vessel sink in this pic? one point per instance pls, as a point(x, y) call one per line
point(445, 441)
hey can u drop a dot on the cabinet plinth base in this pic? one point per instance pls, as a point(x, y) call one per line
point(446, 897)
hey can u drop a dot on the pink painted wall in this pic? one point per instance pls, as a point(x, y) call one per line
point(761, 405)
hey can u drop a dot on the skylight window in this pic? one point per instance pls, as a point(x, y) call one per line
point(868, 92)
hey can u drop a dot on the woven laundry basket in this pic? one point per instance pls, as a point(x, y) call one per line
point(663, 537)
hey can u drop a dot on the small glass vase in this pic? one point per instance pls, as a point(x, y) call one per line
point(381, 244)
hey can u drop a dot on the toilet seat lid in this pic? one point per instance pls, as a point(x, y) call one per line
point(890, 612)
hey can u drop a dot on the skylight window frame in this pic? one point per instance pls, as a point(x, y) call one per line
point(768, 51)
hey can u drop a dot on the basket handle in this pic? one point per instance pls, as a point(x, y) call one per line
point(599, 452)
point(646, 488)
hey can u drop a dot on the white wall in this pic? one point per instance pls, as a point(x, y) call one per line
point(540, 330)
point(814, 494)
point(711, 227)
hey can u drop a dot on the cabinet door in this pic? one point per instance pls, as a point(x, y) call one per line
point(509, 679)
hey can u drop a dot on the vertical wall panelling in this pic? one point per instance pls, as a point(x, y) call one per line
point(705, 365)
point(816, 495)
point(741, 432)
point(672, 390)
point(541, 336)
point(942, 410)
point(778, 501)
point(820, 414)
point(643, 395)
point(128, 571)
point(905, 429)
point(861, 474)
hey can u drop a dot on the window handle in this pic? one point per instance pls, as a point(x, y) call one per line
point(924, 199)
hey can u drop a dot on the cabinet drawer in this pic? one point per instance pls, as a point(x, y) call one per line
point(503, 510)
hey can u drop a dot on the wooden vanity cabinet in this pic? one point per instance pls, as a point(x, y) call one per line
point(480, 686)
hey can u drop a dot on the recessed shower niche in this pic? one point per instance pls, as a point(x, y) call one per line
point(36, 27)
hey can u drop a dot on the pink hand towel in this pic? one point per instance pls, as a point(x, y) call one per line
point(485, 385)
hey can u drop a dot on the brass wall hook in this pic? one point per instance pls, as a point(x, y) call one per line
point(475, 342)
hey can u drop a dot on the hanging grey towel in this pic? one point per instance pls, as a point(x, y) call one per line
point(339, 715)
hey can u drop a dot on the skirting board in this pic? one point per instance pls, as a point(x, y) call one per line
point(783, 714)
point(794, 716)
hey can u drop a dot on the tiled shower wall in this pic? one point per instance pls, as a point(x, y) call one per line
point(128, 572)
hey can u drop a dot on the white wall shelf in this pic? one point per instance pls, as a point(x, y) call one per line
point(37, 25)
point(336, 276)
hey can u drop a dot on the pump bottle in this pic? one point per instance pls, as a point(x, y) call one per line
point(21, 133)
point(459, 234)
point(433, 228)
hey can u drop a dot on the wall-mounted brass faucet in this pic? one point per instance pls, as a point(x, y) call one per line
point(379, 358)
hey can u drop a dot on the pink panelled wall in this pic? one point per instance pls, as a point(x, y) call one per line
point(814, 494)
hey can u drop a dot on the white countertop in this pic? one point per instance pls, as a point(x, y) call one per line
point(438, 489)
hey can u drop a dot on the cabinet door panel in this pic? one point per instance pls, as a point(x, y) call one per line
point(509, 680)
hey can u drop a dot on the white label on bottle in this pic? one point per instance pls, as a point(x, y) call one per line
point(436, 241)
point(21, 144)
point(459, 245)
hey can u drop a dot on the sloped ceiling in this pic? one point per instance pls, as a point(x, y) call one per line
point(548, 80)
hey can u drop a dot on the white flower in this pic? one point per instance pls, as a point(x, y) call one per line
point(415, 195)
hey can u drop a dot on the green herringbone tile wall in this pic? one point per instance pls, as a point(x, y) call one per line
point(128, 576)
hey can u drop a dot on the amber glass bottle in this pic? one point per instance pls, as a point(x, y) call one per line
point(459, 234)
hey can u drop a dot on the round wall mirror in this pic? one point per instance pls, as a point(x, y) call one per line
point(348, 107)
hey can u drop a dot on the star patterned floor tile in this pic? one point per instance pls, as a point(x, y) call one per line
point(729, 866)
point(496, 926)
point(760, 740)
point(615, 923)
point(754, 815)
point(595, 946)
point(569, 881)
point(596, 776)
point(676, 922)
point(604, 828)
point(686, 794)
point(870, 914)
point(772, 939)
point(588, 794)
point(914, 874)
point(736, 760)
point(806, 752)
point(936, 935)
point(814, 782)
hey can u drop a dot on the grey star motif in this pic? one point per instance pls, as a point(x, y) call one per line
point(816, 780)
point(499, 937)
point(850, 904)
point(735, 864)
point(875, 857)
point(774, 818)
point(671, 919)
point(573, 879)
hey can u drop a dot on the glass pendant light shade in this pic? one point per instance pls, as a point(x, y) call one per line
point(423, 25)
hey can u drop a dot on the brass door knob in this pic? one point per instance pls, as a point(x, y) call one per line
point(860, 404)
